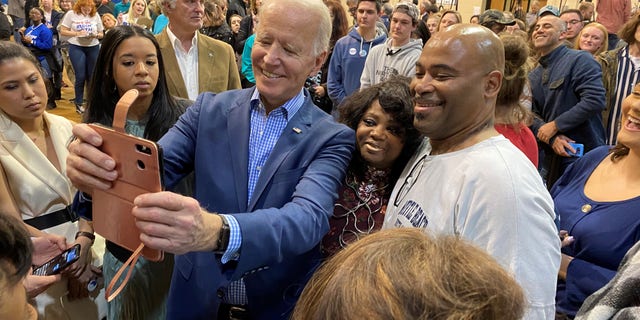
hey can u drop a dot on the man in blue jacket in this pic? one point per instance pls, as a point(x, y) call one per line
point(350, 53)
point(568, 97)
point(267, 165)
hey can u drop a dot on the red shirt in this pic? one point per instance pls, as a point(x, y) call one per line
point(522, 137)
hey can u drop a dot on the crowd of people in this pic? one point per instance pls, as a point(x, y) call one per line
point(411, 165)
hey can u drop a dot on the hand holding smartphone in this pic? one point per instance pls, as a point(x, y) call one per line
point(59, 262)
point(139, 166)
point(579, 147)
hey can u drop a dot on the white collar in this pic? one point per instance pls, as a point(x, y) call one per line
point(174, 40)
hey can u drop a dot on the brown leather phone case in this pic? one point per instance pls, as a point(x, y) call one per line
point(139, 167)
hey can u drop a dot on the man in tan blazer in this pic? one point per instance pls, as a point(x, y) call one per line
point(194, 63)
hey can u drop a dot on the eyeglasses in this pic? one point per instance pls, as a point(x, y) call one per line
point(410, 180)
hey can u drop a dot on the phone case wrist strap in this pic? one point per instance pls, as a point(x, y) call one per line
point(122, 108)
point(130, 263)
point(119, 121)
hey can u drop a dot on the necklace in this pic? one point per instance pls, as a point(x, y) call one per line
point(363, 206)
point(40, 133)
point(36, 137)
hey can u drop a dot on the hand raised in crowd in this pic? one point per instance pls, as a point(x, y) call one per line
point(320, 92)
point(26, 39)
point(565, 238)
point(83, 33)
point(36, 285)
point(566, 259)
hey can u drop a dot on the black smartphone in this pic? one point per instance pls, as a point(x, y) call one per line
point(59, 262)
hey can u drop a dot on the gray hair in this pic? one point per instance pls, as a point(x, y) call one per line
point(315, 8)
point(562, 24)
point(172, 4)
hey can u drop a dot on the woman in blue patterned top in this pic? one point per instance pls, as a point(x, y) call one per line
point(597, 201)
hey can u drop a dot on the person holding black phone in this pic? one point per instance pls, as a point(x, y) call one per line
point(33, 184)
point(58, 263)
point(16, 252)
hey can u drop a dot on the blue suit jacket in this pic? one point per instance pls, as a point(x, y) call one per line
point(288, 214)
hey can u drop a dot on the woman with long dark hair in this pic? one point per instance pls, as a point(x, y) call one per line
point(130, 59)
point(33, 183)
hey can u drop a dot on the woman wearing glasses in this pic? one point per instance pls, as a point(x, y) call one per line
point(382, 116)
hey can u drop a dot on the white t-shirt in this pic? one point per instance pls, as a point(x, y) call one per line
point(491, 195)
point(78, 22)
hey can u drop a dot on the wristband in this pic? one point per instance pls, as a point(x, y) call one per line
point(89, 235)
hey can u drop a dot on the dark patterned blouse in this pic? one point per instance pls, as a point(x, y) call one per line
point(359, 209)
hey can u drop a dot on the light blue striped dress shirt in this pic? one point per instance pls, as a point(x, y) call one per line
point(266, 129)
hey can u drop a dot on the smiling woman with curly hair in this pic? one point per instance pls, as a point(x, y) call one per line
point(382, 116)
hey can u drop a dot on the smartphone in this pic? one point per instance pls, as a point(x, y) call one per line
point(139, 167)
point(579, 147)
point(59, 262)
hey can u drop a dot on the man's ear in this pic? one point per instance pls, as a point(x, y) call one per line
point(493, 83)
point(317, 62)
point(563, 35)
